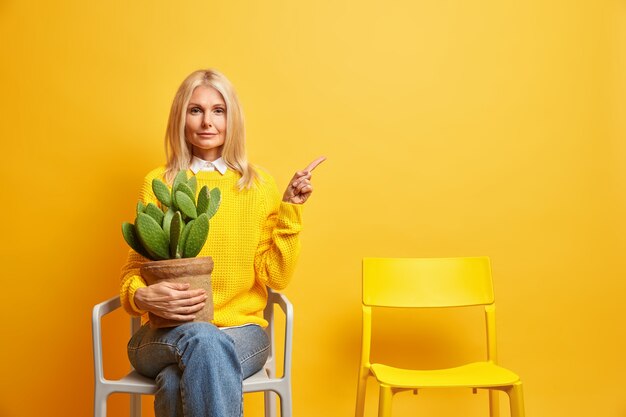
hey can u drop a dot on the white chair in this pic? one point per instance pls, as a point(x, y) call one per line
point(137, 385)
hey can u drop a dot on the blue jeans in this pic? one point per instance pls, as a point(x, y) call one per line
point(198, 367)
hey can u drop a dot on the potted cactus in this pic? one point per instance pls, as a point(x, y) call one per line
point(172, 235)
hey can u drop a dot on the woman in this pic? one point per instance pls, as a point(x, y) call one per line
point(199, 367)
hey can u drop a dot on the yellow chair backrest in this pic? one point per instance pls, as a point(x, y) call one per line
point(427, 282)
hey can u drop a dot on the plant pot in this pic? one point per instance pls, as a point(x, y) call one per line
point(194, 271)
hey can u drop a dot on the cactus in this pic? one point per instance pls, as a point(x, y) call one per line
point(183, 239)
point(155, 212)
point(177, 229)
point(198, 232)
point(186, 204)
point(214, 202)
point(175, 233)
point(130, 235)
point(152, 237)
point(184, 188)
point(167, 220)
point(192, 183)
point(161, 192)
point(208, 201)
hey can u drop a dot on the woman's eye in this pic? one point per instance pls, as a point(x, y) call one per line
point(219, 110)
point(195, 110)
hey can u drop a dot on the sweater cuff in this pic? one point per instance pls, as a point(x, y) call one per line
point(290, 216)
point(135, 283)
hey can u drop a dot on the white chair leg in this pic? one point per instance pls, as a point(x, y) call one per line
point(285, 403)
point(270, 403)
point(135, 405)
point(99, 405)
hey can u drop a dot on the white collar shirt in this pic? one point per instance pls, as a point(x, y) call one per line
point(198, 165)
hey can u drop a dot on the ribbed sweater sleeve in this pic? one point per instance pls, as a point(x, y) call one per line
point(279, 247)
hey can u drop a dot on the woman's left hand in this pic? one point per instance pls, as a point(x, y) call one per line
point(299, 189)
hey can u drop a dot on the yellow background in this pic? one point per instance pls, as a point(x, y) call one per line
point(451, 128)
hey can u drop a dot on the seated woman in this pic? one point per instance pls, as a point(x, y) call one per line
point(199, 366)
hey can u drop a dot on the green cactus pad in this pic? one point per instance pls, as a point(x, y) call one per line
point(198, 234)
point(176, 228)
point(174, 205)
point(152, 237)
point(167, 220)
point(155, 212)
point(186, 204)
point(192, 183)
point(162, 192)
point(214, 202)
point(130, 236)
point(203, 200)
point(140, 208)
point(187, 190)
point(183, 238)
point(181, 178)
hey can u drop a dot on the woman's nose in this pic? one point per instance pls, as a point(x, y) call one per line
point(206, 120)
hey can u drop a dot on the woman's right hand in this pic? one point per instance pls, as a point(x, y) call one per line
point(170, 300)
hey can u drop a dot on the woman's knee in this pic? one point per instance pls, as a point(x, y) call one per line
point(168, 380)
point(168, 400)
point(252, 347)
point(205, 339)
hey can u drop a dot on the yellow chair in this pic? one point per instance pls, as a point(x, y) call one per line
point(433, 283)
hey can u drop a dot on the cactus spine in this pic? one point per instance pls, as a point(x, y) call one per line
point(181, 227)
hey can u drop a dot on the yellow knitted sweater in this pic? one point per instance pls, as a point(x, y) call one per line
point(253, 240)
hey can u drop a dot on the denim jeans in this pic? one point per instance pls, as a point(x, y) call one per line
point(198, 367)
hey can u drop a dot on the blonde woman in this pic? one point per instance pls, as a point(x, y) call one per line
point(199, 367)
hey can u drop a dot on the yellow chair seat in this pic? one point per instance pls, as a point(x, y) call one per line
point(473, 375)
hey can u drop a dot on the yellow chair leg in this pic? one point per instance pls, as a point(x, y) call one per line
point(360, 392)
point(516, 399)
point(494, 403)
point(384, 401)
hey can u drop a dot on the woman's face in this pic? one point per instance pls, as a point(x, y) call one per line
point(205, 123)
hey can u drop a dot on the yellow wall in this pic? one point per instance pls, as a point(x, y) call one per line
point(451, 127)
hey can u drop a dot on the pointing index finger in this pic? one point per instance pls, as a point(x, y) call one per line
point(315, 163)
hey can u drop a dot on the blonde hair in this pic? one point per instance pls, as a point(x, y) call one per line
point(179, 152)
